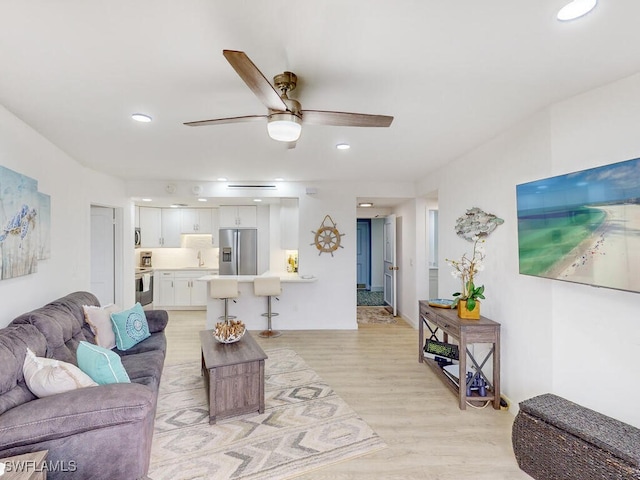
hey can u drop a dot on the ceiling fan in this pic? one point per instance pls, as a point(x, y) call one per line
point(286, 116)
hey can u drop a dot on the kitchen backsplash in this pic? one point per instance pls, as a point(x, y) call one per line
point(186, 256)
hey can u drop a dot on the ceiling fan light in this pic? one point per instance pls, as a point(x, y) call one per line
point(284, 127)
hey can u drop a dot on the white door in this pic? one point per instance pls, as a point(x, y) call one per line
point(103, 254)
point(389, 258)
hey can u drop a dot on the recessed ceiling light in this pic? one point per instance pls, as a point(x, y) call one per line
point(576, 9)
point(222, 179)
point(365, 204)
point(343, 146)
point(278, 179)
point(141, 117)
point(202, 199)
point(257, 199)
point(146, 200)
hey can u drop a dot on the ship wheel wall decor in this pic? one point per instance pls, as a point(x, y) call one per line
point(327, 238)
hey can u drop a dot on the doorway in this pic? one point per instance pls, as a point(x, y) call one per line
point(363, 255)
point(104, 249)
point(369, 262)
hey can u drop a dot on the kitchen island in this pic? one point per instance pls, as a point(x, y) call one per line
point(292, 307)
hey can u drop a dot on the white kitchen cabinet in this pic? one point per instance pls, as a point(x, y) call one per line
point(289, 223)
point(136, 216)
point(181, 288)
point(196, 220)
point(170, 227)
point(238, 216)
point(159, 227)
point(215, 226)
point(166, 288)
point(150, 227)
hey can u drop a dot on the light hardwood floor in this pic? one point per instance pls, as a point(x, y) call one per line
point(375, 370)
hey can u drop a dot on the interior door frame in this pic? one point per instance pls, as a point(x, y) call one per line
point(390, 262)
point(363, 225)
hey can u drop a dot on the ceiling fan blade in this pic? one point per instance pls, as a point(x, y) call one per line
point(345, 119)
point(255, 80)
point(219, 121)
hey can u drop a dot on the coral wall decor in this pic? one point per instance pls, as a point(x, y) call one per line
point(476, 223)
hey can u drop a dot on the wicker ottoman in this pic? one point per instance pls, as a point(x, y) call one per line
point(555, 439)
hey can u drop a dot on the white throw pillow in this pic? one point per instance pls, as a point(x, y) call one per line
point(46, 376)
point(99, 319)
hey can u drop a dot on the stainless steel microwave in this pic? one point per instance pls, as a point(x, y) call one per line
point(137, 237)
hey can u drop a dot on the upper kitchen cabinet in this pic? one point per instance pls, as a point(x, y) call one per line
point(150, 227)
point(171, 218)
point(238, 216)
point(136, 216)
point(215, 225)
point(289, 223)
point(159, 227)
point(196, 220)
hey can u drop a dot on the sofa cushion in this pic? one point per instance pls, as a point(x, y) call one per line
point(14, 341)
point(74, 412)
point(46, 376)
point(130, 327)
point(157, 341)
point(99, 320)
point(101, 364)
point(62, 323)
point(145, 367)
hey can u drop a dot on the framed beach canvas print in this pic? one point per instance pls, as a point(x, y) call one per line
point(583, 227)
point(18, 236)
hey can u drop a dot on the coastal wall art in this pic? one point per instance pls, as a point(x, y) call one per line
point(23, 236)
point(583, 227)
point(44, 226)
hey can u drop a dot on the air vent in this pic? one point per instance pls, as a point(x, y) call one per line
point(249, 186)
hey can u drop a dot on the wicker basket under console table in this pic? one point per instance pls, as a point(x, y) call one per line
point(466, 332)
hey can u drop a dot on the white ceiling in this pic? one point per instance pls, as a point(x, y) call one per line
point(453, 73)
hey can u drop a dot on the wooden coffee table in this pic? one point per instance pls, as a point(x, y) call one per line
point(234, 376)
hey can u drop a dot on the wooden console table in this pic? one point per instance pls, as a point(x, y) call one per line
point(465, 332)
point(234, 376)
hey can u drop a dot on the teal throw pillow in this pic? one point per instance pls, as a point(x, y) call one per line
point(130, 327)
point(101, 364)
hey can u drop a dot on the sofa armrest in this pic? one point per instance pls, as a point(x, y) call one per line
point(157, 320)
point(74, 412)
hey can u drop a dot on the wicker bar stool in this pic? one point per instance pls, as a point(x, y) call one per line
point(268, 287)
point(224, 289)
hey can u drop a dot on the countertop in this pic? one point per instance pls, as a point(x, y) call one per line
point(284, 277)
point(186, 269)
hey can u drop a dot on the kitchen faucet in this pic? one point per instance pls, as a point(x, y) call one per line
point(200, 261)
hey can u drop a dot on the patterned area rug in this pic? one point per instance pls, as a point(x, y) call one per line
point(305, 426)
point(375, 315)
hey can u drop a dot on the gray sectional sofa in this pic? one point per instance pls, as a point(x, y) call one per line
point(99, 432)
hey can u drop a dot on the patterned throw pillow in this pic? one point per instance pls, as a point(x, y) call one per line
point(99, 319)
point(130, 327)
point(46, 376)
point(101, 364)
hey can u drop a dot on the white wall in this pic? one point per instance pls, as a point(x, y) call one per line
point(73, 189)
point(573, 340)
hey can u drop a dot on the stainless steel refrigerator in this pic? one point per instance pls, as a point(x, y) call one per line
point(238, 251)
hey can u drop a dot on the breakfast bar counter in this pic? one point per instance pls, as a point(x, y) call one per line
point(249, 308)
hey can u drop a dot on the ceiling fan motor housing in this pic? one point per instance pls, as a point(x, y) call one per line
point(285, 82)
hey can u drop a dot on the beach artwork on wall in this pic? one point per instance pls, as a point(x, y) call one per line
point(583, 227)
point(24, 237)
